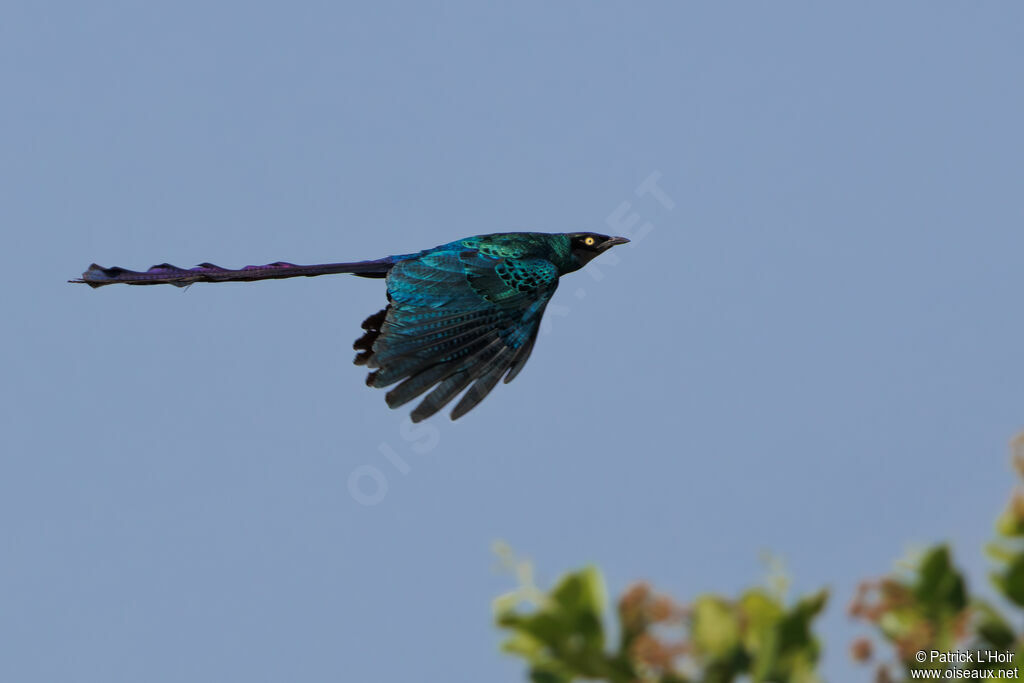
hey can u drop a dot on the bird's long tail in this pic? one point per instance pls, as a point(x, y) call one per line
point(166, 274)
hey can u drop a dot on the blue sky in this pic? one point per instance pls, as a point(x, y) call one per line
point(815, 351)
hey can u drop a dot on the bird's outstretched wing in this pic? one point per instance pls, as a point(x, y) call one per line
point(456, 319)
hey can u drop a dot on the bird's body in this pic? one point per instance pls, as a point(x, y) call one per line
point(461, 315)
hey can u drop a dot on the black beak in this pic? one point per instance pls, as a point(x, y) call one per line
point(609, 243)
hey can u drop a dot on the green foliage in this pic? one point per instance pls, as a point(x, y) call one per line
point(1008, 550)
point(562, 635)
point(757, 637)
point(930, 608)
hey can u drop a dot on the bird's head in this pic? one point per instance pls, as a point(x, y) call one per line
point(588, 245)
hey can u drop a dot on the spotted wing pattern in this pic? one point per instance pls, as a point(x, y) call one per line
point(457, 320)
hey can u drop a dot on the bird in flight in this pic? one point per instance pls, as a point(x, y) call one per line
point(461, 315)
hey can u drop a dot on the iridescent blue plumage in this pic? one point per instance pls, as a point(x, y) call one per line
point(460, 316)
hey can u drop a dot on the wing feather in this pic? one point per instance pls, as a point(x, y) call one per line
point(456, 320)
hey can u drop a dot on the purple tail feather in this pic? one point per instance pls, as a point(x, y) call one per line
point(166, 274)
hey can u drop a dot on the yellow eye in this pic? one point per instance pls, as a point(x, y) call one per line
point(589, 241)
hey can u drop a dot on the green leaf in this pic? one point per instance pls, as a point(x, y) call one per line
point(1011, 522)
point(1011, 580)
point(940, 588)
point(580, 597)
point(506, 603)
point(582, 591)
point(716, 629)
point(795, 627)
point(564, 636)
point(993, 629)
point(798, 649)
point(542, 675)
point(761, 612)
